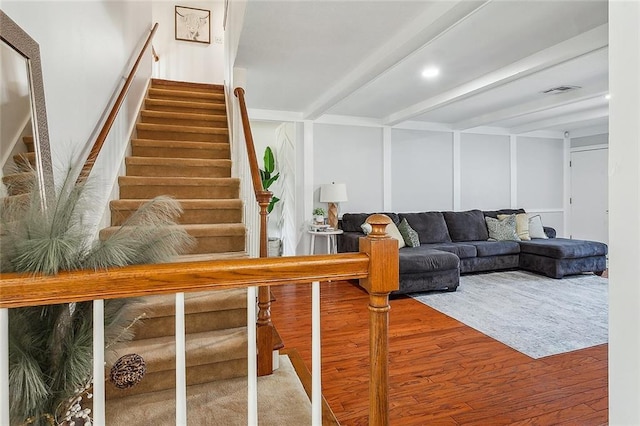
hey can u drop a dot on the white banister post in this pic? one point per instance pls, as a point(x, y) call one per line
point(252, 359)
point(4, 366)
point(316, 357)
point(181, 365)
point(98, 363)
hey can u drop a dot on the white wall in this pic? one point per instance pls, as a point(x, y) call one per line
point(184, 60)
point(624, 213)
point(421, 170)
point(485, 179)
point(86, 50)
point(602, 139)
point(351, 155)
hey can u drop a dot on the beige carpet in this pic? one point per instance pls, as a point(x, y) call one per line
point(281, 401)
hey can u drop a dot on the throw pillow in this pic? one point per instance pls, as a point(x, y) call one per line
point(522, 225)
point(366, 228)
point(502, 230)
point(410, 236)
point(536, 230)
point(392, 231)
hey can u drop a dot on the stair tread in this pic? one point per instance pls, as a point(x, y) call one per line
point(201, 348)
point(155, 82)
point(160, 91)
point(186, 204)
point(184, 115)
point(195, 181)
point(162, 143)
point(212, 256)
point(201, 228)
point(204, 301)
point(182, 129)
point(193, 162)
point(185, 104)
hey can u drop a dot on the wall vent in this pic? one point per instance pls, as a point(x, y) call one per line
point(560, 89)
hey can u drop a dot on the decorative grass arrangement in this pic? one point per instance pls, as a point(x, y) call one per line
point(50, 347)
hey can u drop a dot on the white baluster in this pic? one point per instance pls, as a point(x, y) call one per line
point(252, 367)
point(181, 365)
point(4, 366)
point(98, 363)
point(316, 354)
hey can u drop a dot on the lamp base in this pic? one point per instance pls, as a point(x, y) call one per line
point(333, 215)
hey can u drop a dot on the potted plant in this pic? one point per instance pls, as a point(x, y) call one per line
point(269, 177)
point(318, 215)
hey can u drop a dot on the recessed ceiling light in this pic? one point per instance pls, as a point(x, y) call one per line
point(430, 72)
point(607, 96)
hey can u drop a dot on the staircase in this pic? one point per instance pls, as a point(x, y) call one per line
point(20, 183)
point(182, 149)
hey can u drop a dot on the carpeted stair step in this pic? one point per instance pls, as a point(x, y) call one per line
point(186, 167)
point(140, 187)
point(184, 106)
point(185, 95)
point(19, 183)
point(180, 149)
point(28, 141)
point(184, 119)
point(204, 311)
point(194, 211)
point(210, 356)
point(210, 238)
point(181, 133)
point(25, 160)
point(185, 85)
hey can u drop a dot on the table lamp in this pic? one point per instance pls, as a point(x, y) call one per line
point(333, 194)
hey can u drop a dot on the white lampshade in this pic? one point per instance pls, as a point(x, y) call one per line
point(333, 193)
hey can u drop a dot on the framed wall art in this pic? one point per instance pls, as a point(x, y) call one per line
point(193, 24)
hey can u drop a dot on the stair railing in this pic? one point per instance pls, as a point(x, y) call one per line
point(376, 266)
point(263, 197)
point(111, 118)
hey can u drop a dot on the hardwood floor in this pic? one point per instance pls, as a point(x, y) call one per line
point(441, 371)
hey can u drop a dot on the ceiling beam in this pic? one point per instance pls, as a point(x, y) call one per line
point(562, 120)
point(582, 44)
point(439, 18)
point(547, 102)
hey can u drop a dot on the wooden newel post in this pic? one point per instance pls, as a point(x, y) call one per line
point(265, 327)
point(383, 278)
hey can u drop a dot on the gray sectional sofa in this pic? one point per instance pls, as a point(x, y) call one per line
point(454, 243)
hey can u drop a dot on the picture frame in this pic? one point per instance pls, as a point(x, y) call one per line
point(193, 24)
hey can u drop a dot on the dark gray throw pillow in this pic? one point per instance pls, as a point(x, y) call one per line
point(466, 226)
point(430, 226)
point(410, 236)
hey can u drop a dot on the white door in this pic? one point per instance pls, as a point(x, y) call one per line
point(589, 195)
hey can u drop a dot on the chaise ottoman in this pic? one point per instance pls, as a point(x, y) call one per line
point(557, 257)
point(425, 269)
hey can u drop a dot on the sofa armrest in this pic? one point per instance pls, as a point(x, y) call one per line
point(551, 232)
point(349, 242)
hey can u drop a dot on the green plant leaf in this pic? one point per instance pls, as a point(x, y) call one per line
point(269, 161)
point(266, 183)
point(272, 203)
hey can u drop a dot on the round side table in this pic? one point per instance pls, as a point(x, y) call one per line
point(332, 246)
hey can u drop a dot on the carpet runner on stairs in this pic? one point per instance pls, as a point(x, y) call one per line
point(181, 149)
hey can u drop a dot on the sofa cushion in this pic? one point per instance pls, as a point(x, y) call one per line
point(466, 226)
point(462, 250)
point(421, 259)
point(351, 222)
point(430, 226)
point(562, 248)
point(411, 237)
point(502, 230)
point(392, 231)
point(536, 230)
point(494, 213)
point(495, 248)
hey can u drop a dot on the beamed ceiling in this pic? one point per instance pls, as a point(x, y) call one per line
point(365, 59)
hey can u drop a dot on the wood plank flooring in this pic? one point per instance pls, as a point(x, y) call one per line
point(441, 371)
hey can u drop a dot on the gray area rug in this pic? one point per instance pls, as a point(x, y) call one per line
point(535, 315)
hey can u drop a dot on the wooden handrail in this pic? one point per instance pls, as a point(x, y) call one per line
point(111, 118)
point(263, 197)
point(248, 137)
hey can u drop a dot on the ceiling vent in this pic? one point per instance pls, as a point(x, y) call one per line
point(560, 89)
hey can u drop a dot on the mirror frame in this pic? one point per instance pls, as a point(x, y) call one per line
point(16, 38)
